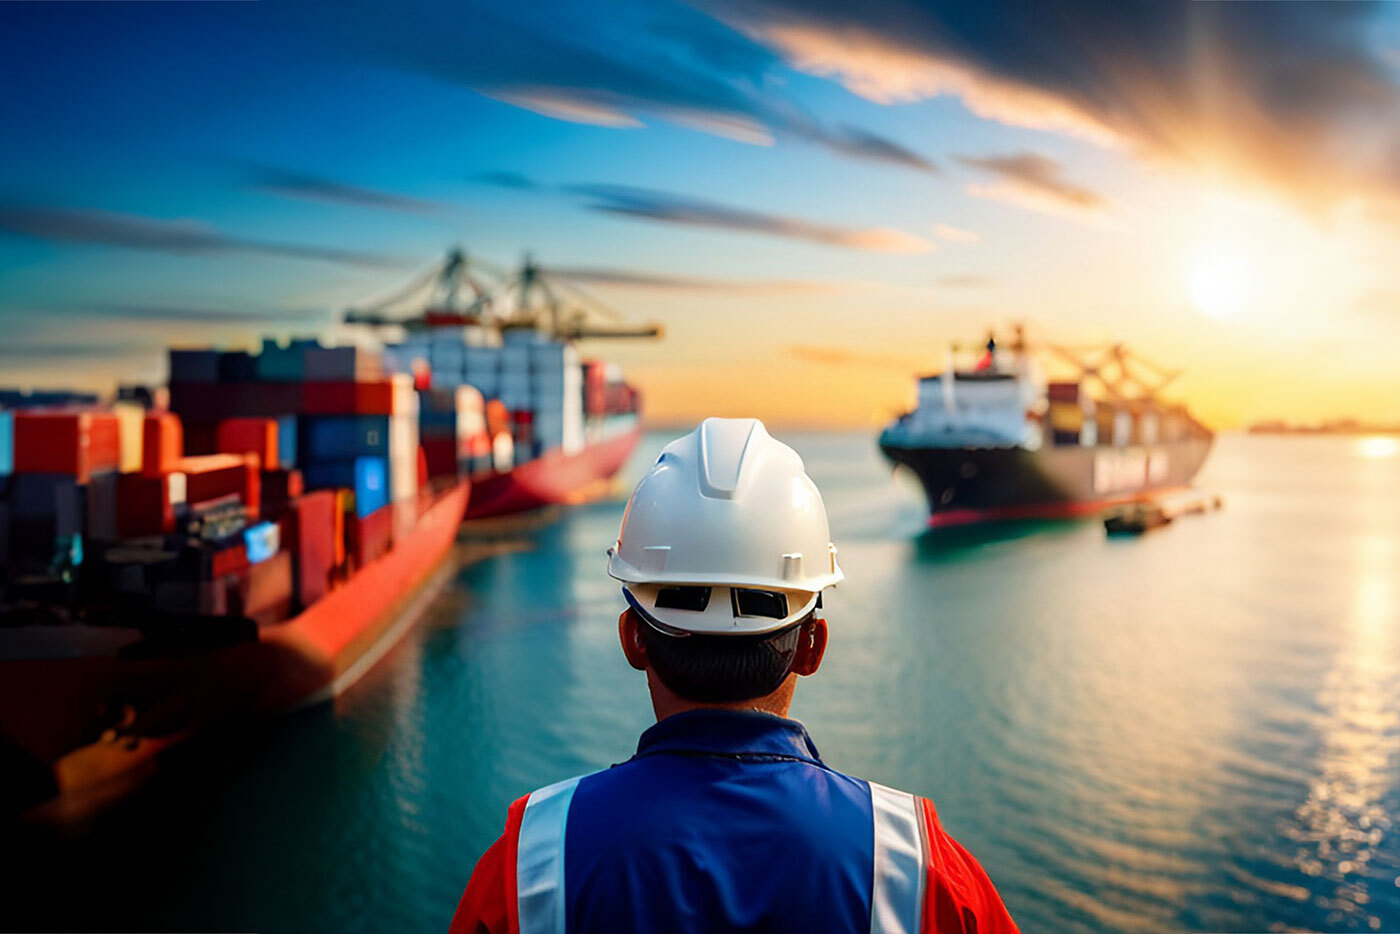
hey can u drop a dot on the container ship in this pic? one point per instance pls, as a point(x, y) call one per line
point(559, 426)
point(247, 540)
point(254, 535)
point(996, 440)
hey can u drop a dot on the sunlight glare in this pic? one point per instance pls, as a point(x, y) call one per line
point(1378, 447)
point(1218, 280)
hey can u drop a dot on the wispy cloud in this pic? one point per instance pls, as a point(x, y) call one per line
point(644, 60)
point(181, 237)
point(672, 208)
point(965, 281)
point(956, 234)
point(1030, 180)
point(1298, 95)
point(320, 188)
point(629, 278)
point(506, 179)
point(184, 314)
point(844, 356)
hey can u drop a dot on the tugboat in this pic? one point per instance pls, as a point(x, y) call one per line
point(997, 440)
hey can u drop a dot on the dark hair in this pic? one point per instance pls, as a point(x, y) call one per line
point(721, 669)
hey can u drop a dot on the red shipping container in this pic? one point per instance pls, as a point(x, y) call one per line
point(375, 398)
point(76, 444)
point(315, 520)
point(370, 535)
point(230, 560)
point(162, 443)
point(328, 398)
point(265, 592)
point(250, 436)
point(344, 511)
point(217, 475)
point(146, 505)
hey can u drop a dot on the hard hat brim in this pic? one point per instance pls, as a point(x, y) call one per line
point(719, 617)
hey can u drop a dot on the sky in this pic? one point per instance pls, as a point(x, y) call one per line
point(814, 199)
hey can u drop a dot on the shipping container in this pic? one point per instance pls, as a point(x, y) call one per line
point(149, 505)
point(283, 364)
point(236, 366)
point(314, 528)
point(366, 477)
point(194, 366)
point(131, 421)
point(7, 442)
point(213, 476)
point(342, 364)
point(258, 436)
point(163, 443)
point(75, 443)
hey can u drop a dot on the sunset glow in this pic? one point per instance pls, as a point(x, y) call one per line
point(793, 192)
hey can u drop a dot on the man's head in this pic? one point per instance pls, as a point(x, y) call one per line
point(723, 554)
point(690, 670)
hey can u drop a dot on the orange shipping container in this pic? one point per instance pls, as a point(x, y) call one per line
point(250, 436)
point(214, 476)
point(77, 444)
point(163, 443)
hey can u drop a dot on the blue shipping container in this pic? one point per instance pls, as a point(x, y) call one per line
point(367, 476)
point(262, 541)
point(339, 437)
point(287, 440)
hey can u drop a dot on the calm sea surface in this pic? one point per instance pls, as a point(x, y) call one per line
point(1198, 730)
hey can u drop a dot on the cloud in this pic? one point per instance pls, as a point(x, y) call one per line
point(1296, 96)
point(673, 208)
point(318, 188)
point(628, 278)
point(1031, 180)
point(181, 237)
point(965, 281)
point(643, 60)
point(506, 179)
point(842, 356)
point(955, 234)
point(133, 311)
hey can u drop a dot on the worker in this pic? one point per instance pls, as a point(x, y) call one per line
point(726, 818)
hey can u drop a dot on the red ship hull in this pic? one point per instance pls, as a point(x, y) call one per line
point(555, 478)
point(83, 718)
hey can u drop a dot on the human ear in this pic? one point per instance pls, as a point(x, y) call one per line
point(630, 635)
point(811, 647)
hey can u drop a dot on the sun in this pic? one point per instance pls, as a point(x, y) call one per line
point(1218, 280)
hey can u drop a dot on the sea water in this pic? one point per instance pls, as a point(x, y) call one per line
point(1196, 730)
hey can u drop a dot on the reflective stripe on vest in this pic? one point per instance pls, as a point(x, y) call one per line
point(897, 896)
point(539, 861)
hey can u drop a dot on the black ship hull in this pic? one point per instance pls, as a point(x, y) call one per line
point(969, 485)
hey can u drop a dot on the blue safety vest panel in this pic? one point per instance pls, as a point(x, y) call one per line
point(722, 821)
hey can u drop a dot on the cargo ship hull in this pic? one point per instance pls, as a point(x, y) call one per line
point(971, 485)
point(555, 478)
point(84, 717)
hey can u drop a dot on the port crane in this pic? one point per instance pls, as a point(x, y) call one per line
point(1122, 374)
point(452, 294)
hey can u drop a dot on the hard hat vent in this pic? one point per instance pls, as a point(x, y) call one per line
point(723, 443)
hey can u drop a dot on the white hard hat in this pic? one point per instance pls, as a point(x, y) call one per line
point(723, 532)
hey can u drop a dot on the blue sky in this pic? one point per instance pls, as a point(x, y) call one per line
point(812, 197)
